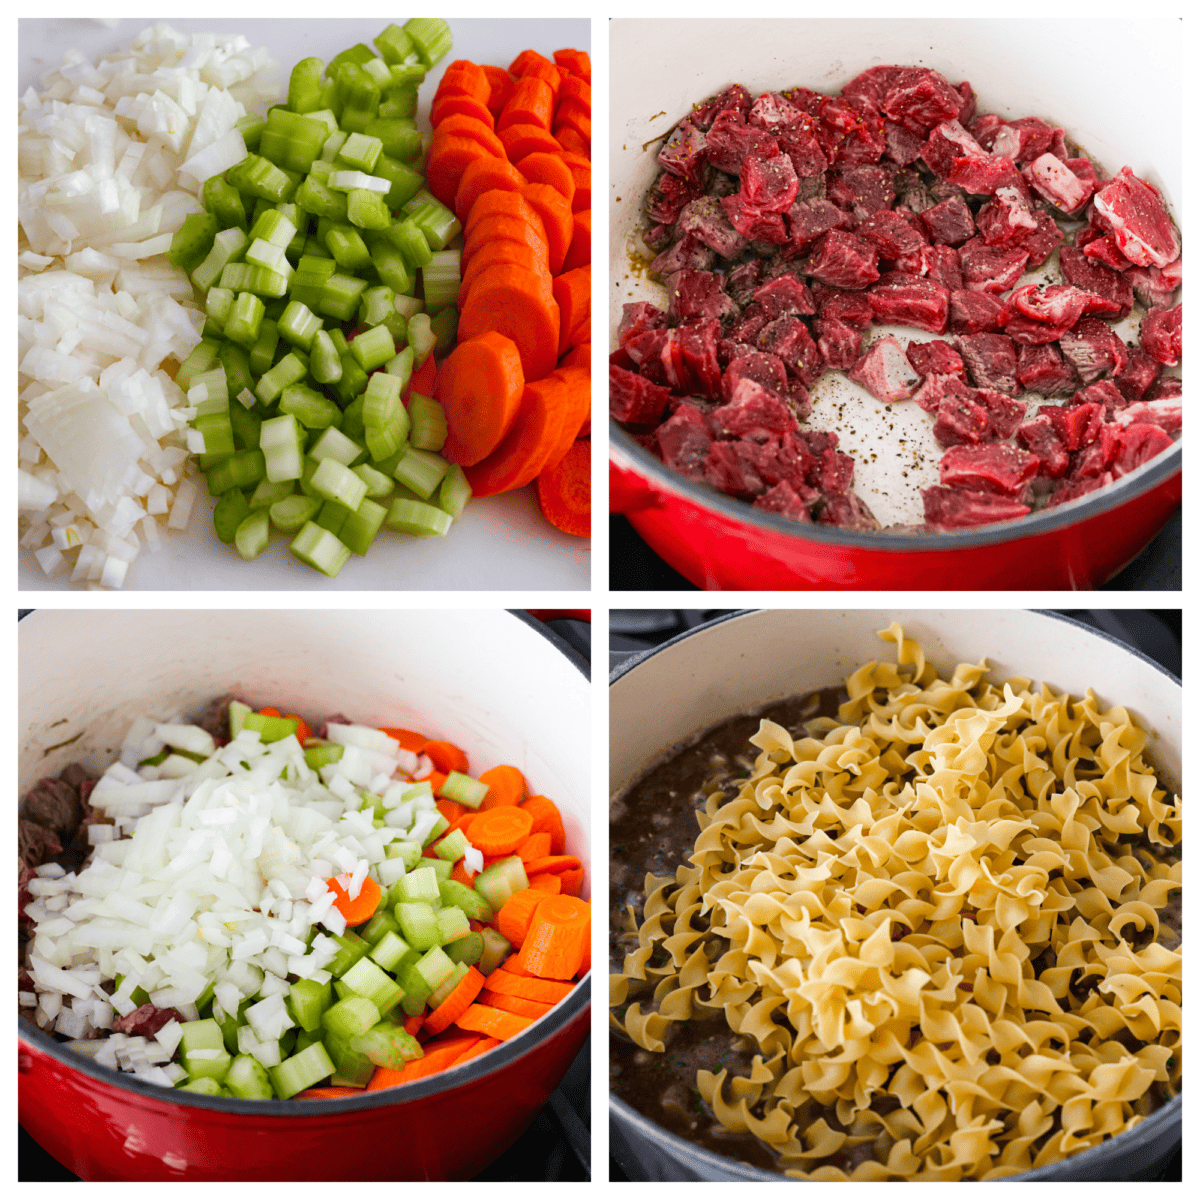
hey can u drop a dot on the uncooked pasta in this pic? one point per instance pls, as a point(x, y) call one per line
point(945, 919)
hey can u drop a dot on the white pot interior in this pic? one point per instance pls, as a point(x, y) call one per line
point(1079, 73)
point(747, 661)
point(484, 680)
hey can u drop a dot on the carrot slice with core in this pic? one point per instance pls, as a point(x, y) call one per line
point(519, 459)
point(565, 494)
point(480, 387)
point(506, 785)
point(558, 938)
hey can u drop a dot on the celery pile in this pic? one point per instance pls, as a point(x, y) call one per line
point(309, 252)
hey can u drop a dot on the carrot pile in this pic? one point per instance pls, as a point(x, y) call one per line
point(546, 923)
point(511, 156)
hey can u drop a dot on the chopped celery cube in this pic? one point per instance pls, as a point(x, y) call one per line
point(319, 549)
point(468, 949)
point(280, 443)
point(382, 922)
point(301, 1071)
point(333, 443)
point(391, 950)
point(290, 513)
point(429, 427)
point(232, 508)
point(452, 924)
point(496, 948)
point(455, 492)
point(362, 526)
point(467, 898)
point(418, 519)
point(369, 981)
point(372, 348)
point(430, 37)
point(448, 984)
point(388, 1045)
point(453, 846)
point(309, 407)
point(434, 966)
point(420, 884)
point(499, 881)
point(421, 471)
point(307, 1001)
point(417, 922)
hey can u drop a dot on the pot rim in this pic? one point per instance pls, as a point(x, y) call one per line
point(499, 1058)
point(1047, 520)
point(1128, 1142)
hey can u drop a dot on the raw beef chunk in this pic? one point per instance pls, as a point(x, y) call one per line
point(807, 220)
point(893, 234)
point(733, 100)
point(783, 499)
point(974, 312)
point(960, 420)
point(687, 254)
point(1093, 349)
point(1139, 444)
point(698, 294)
point(667, 198)
point(1039, 436)
point(1166, 414)
point(946, 143)
point(789, 339)
point(840, 343)
point(1054, 180)
point(863, 190)
point(910, 300)
point(945, 267)
point(885, 371)
point(706, 221)
point(991, 360)
point(730, 140)
point(689, 359)
point(1006, 218)
point(1093, 277)
point(1135, 213)
point(633, 399)
point(729, 467)
point(683, 154)
point(785, 294)
point(765, 369)
point(1077, 425)
point(639, 318)
point(1004, 469)
point(949, 221)
point(1137, 377)
point(769, 183)
point(921, 101)
point(844, 260)
point(1161, 335)
point(990, 268)
point(1042, 369)
point(846, 510)
point(683, 441)
point(958, 508)
point(753, 412)
point(935, 358)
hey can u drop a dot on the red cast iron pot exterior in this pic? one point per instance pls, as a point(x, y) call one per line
point(128, 1130)
point(719, 543)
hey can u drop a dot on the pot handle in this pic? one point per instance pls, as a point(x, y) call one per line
point(628, 492)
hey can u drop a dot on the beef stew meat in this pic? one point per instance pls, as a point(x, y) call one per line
point(785, 226)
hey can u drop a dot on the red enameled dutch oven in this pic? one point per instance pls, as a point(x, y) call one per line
point(748, 659)
point(498, 684)
point(1080, 73)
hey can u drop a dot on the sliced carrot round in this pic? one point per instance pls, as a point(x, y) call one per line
point(479, 387)
point(557, 221)
point(579, 253)
point(549, 169)
point(565, 498)
point(500, 830)
point(506, 227)
point(446, 756)
point(501, 250)
point(577, 90)
point(547, 72)
point(459, 104)
point(521, 456)
point(501, 86)
point(464, 78)
point(577, 62)
point(577, 402)
point(525, 60)
point(522, 140)
point(572, 140)
point(573, 295)
point(448, 158)
point(531, 104)
point(506, 785)
point(458, 125)
point(486, 175)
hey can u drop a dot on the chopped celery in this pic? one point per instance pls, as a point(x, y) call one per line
point(290, 513)
point(203, 1086)
point(388, 1045)
point(453, 846)
point(496, 948)
point(373, 348)
point(362, 526)
point(421, 471)
point(366, 979)
point(430, 37)
point(499, 881)
point(319, 549)
point(193, 240)
point(353, 1015)
point(468, 949)
point(448, 984)
point(429, 427)
point(467, 898)
point(247, 1079)
point(309, 407)
point(417, 885)
point(452, 924)
point(382, 922)
point(232, 508)
point(281, 447)
point(455, 491)
point(301, 1071)
point(334, 444)
point(421, 337)
point(323, 753)
point(270, 729)
point(464, 789)
point(421, 520)
point(418, 924)
point(434, 966)
point(307, 1001)
point(378, 484)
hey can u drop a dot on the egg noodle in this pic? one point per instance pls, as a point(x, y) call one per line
point(938, 919)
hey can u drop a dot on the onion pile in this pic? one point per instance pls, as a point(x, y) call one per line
point(111, 158)
point(219, 885)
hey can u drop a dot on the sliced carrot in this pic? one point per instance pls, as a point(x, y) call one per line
point(485, 175)
point(550, 884)
point(549, 169)
point(579, 253)
point(481, 1047)
point(506, 785)
point(502, 203)
point(547, 73)
point(414, 1025)
point(445, 163)
point(569, 119)
point(362, 907)
point(462, 822)
point(479, 388)
point(519, 459)
point(581, 169)
point(512, 967)
point(577, 91)
point(493, 1022)
point(438, 1056)
point(499, 831)
point(512, 302)
point(460, 874)
point(547, 818)
point(533, 103)
point(547, 991)
point(559, 934)
point(451, 810)
point(436, 779)
point(514, 1004)
point(303, 731)
point(507, 229)
point(577, 62)
point(329, 1093)
point(446, 756)
point(514, 917)
point(409, 739)
point(465, 78)
point(573, 295)
point(555, 213)
point(424, 379)
point(576, 406)
point(579, 356)
point(552, 863)
point(525, 60)
point(269, 711)
point(522, 140)
point(571, 881)
point(502, 250)
point(570, 139)
point(456, 1003)
point(460, 104)
point(535, 846)
point(457, 125)
point(501, 86)
point(565, 494)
